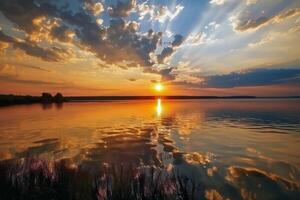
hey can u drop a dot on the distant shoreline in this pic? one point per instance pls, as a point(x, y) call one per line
point(99, 98)
point(20, 99)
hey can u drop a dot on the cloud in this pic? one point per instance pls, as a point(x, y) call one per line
point(23, 13)
point(178, 39)
point(122, 8)
point(167, 74)
point(34, 67)
point(132, 79)
point(196, 39)
point(158, 13)
point(62, 33)
point(251, 2)
point(168, 51)
point(3, 45)
point(255, 77)
point(244, 22)
point(8, 73)
point(94, 8)
point(53, 54)
point(217, 2)
point(119, 41)
point(26, 81)
point(8, 70)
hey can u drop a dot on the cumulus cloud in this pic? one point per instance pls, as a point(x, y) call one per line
point(122, 8)
point(95, 8)
point(62, 33)
point(118, 43)
point(158, 13)
point(245, 22)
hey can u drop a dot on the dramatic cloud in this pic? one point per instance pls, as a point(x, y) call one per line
point(256, 77)
point(119, 42)
point(62, 33)
point(122, 8)
point(53, 54)
point(245, 22)
point(89, 39)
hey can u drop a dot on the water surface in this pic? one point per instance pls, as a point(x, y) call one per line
point(233, 148)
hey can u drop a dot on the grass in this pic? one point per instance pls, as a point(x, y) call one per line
point(40, 179)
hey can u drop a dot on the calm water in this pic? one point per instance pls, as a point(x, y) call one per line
point(250, 147)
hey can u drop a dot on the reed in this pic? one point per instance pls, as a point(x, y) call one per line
point(39, 179)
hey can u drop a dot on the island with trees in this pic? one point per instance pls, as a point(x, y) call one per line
point(45, 98)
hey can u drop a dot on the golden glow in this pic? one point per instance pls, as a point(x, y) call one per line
point(158, 107)
point(158, 87)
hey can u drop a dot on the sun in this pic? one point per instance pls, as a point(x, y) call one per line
point(158, 87)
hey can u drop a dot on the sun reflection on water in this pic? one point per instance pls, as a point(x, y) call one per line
point(158, 107)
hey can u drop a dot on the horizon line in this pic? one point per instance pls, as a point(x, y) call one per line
point(162, 96)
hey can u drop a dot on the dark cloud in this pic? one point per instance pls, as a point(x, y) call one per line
point(6, 38)
point(94, 8)
point(168, 51)
point(251, 23)
point(132, 79)
point(50, 54)
point(244, 22)
point(178, 39)
point(256, 77)
point(62, 33)
point(167, 75)
point(122, 8)
point(118, 42)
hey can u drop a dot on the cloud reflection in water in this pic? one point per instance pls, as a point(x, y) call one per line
point(227, 145)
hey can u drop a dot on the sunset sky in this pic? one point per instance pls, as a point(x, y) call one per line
point(110, 47)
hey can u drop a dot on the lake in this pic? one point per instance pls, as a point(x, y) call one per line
point(232, 148)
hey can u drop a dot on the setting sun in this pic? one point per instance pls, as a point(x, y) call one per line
point(158, 87)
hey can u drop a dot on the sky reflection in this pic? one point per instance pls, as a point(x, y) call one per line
point(210, 140)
